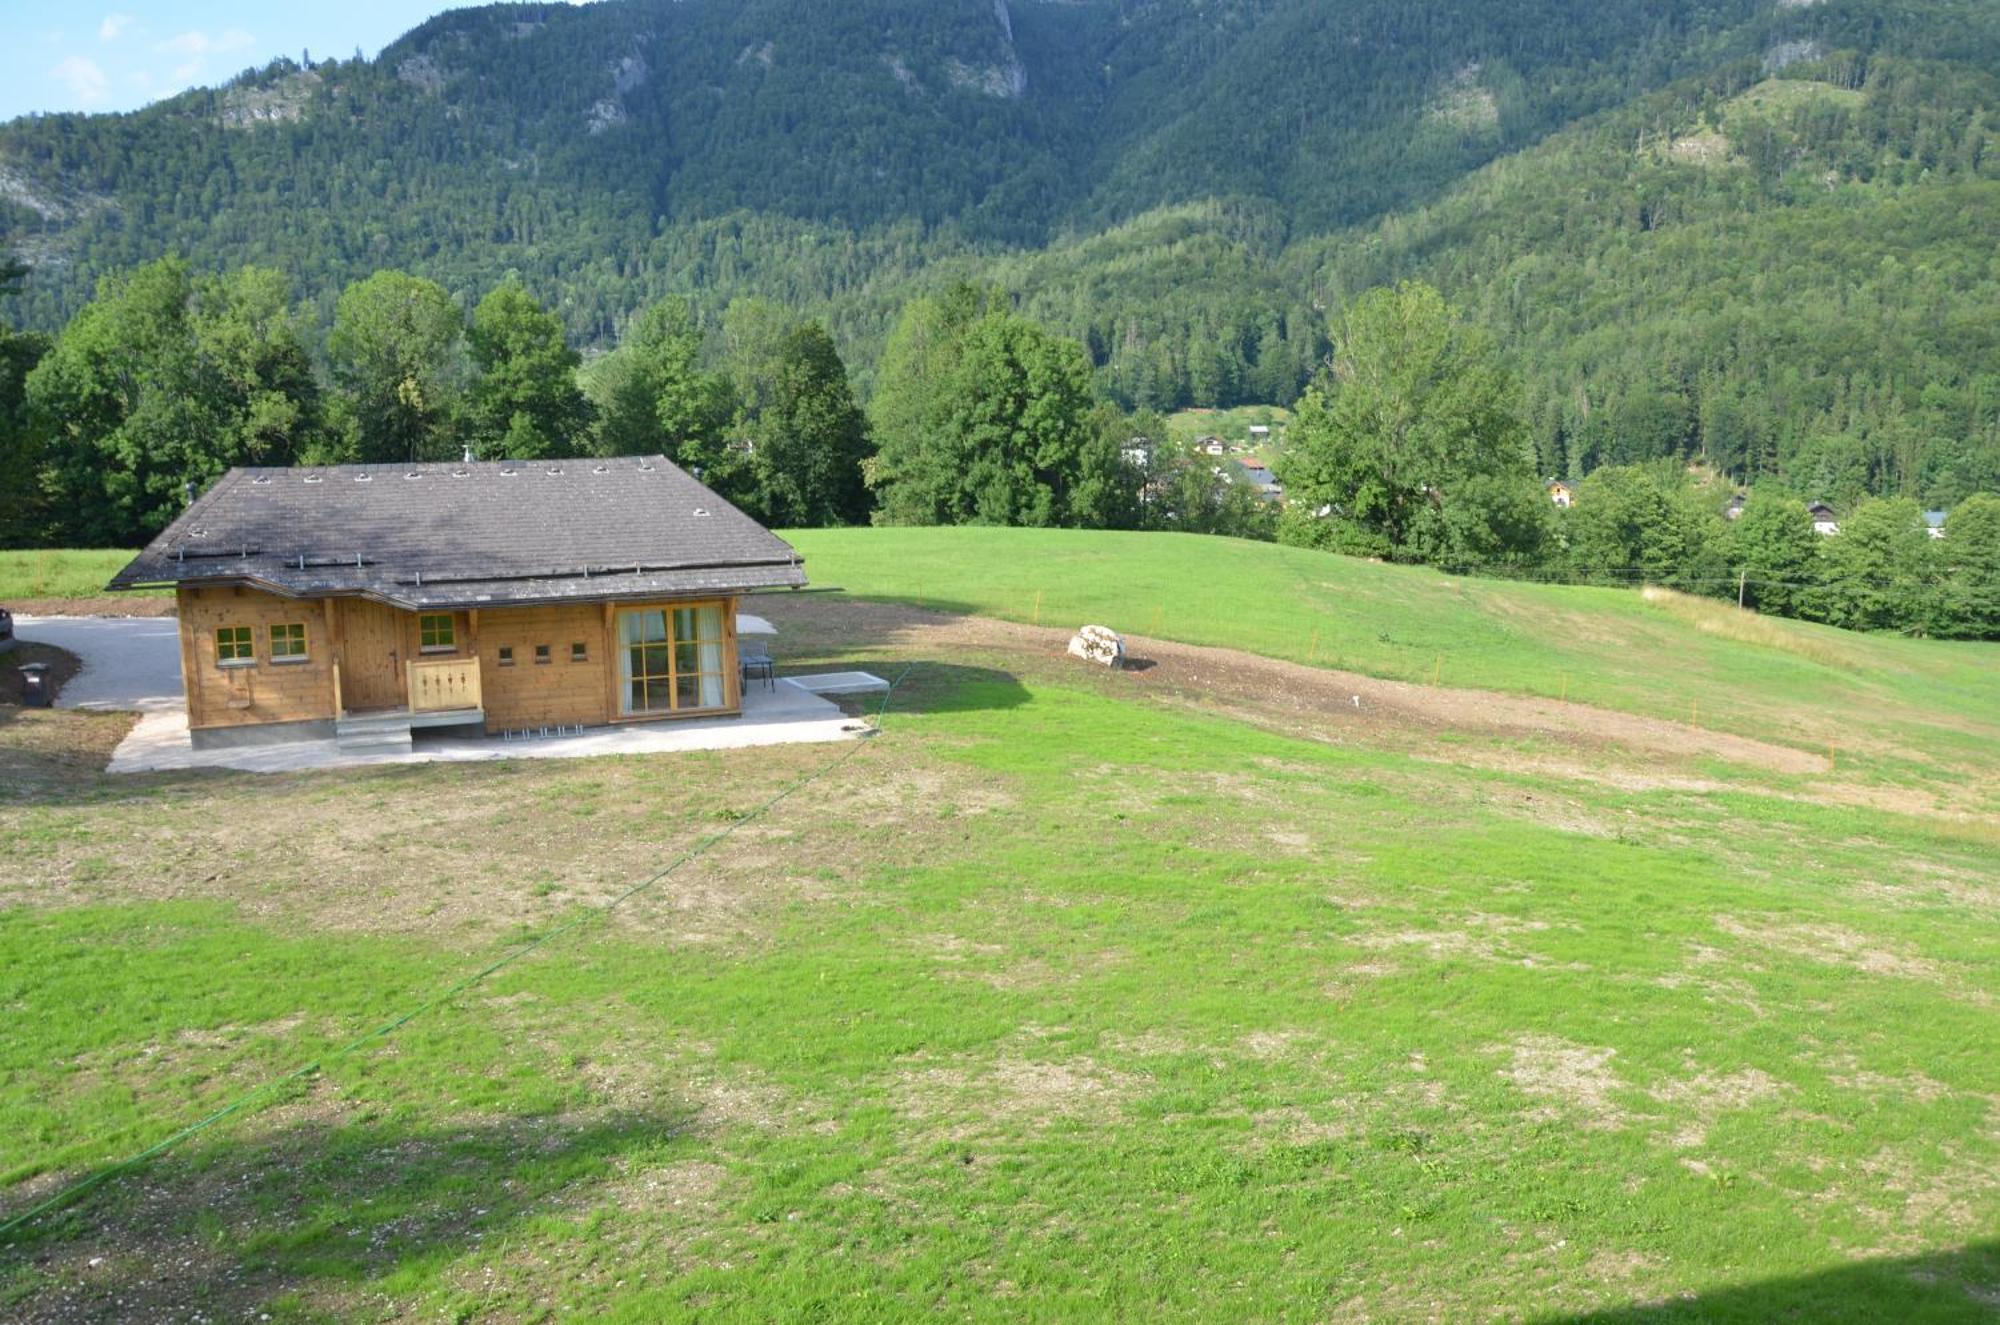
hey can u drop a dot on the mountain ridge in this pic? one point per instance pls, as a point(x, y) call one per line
point(1193, 189)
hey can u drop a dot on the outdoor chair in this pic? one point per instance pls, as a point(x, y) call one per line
point(756, 660)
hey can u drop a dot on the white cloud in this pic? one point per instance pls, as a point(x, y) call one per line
point(198, 43)
point(113, 27)
point(82, 78)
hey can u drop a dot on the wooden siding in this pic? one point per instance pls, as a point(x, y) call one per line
point(562, 692)
point(528, 694)
point(264, 691)
point(525, 694)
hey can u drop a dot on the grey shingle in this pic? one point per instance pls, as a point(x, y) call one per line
point(448, 535)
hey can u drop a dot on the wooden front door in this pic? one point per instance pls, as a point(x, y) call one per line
point(371, 655)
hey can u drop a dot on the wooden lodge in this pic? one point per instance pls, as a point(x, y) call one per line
point(359, 601)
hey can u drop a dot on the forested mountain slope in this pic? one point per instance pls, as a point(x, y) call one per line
point(1760, 229)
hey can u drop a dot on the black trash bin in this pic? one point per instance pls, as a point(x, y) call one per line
point(35, 686)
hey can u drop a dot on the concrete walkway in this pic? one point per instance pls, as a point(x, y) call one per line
point(129, 663)
point(787, 714)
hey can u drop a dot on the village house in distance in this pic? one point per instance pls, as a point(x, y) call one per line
point(359, 601)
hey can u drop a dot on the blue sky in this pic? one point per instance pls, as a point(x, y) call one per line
point(120, 54)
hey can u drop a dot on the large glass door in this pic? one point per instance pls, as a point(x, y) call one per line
point(670, 659)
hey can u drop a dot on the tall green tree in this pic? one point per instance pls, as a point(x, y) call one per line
point(810, 438)
point(1968, 559)
point(252, 337)
point(988, 420)
point(1879, 571)
point(1774, 549)
point(1387, 444)
point(751, 353)
point(20, 454)
point(524, 402)
point(161, 383)
point(1644, 523)
point(660, 400)
point(913, 388)
point(396, 351)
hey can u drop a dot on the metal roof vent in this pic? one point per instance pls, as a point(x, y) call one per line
point(701, 512)
point(509, 473)
point(600, 469)
point(315, 478)
point(261, 478)
point(413, 474)
point(461, 473)
point(645, 468)
point(364, 477)
point(555, 471)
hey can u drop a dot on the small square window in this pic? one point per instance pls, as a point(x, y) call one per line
point(234, 646)
point(288, 642)
point(506, 657)
point(579, 652)
point(541, 654)
point(436, 633)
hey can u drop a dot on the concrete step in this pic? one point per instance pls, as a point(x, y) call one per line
point(374, 745)
point(373, 733)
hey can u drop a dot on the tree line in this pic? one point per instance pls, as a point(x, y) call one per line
point(1414, 446)
point(169, 377)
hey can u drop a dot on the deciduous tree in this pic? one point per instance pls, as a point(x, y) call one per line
point(524, 401)
point(810, 437)
point(1414, 407)
point(396, 351)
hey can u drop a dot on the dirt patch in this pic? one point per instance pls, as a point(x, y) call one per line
point(1268, 1046)
point(1705, 1096)
point(123, 604)
point(479, 851)
point(1289, 695)
point(1846, 1071)
point(969, 1097)
point(1914, 1204)
point(1573, 1080)
point(1835, 945)
point(1477, 937)
point(61, 664)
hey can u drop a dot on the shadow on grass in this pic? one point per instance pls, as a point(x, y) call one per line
point(309, 1216)
point(923, 686)
point(1961, 1285)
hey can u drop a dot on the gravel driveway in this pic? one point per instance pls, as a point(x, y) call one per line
point(128, 662)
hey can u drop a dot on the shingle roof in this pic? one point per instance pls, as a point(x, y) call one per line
point(462, 535)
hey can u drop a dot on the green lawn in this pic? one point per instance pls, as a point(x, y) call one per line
point(1911, 711)
point(58, 572)
point(1061, 999)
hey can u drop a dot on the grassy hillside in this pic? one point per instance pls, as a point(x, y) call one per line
point(1937, 705)
point(1063, 998)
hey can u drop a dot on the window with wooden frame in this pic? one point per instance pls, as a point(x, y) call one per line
point(288, 642)
point(671, 660)
point(579, 652)
point(542, 655)
point(506, 655)
point(235, 646)
point(437, 632)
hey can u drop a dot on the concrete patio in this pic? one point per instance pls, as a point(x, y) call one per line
point(786, 714)
point(133, 664)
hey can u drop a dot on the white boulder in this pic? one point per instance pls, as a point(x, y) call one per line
point(1098, 644)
